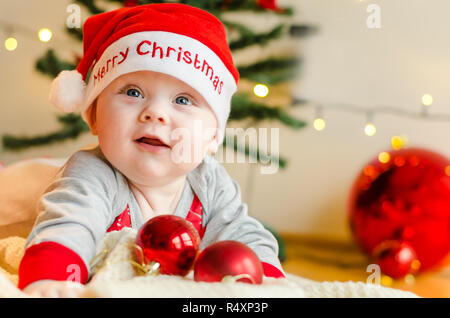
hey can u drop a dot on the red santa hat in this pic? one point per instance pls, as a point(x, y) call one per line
point(176, 39)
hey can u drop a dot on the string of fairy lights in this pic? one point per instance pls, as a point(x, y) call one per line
point(45, 35)
point(369, 128)
point(11, 42)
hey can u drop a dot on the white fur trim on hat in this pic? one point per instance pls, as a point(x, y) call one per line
point(68, 91)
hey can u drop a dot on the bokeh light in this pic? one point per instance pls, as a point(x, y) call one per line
point(11, 44)
point(427, 99)
point(319, 124)
point(370, 129)
point(45, 35)
point(261, 90)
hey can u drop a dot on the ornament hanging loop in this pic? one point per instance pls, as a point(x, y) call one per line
point(150, 269)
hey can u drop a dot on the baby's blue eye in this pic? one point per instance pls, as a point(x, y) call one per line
point(183, 100)
point(133, 92)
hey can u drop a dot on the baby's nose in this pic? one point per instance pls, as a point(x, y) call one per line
point(148, 117)
point(154, 114)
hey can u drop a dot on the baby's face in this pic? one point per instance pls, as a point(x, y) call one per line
point(150, 103)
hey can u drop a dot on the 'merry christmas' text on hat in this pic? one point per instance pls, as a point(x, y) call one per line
point(176, 39)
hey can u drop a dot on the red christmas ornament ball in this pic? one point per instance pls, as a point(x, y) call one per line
point(396, 259)
point(170, 241)
point(404, 198)
point(228, 258)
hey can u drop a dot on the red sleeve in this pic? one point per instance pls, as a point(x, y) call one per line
point(51, 260)
point(271, 271)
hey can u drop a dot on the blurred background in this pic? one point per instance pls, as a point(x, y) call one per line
point(371, 77)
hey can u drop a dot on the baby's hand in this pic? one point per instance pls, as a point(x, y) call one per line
point(54, 289)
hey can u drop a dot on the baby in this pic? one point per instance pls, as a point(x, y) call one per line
point(160, 78)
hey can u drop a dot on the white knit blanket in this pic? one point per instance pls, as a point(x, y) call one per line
point(116, 277)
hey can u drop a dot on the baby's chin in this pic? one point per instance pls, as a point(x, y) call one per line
point(155, 174)
point(154, 169)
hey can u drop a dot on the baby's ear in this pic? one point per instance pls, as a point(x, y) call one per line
point(92, 118)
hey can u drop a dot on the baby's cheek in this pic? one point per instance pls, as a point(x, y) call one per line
point(114, 144)
point(188, 151)
point(115, 128)
point(109, 139)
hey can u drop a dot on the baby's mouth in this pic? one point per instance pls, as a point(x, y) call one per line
point(152, 141)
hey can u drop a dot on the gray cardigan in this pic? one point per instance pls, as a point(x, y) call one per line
point(89, 193)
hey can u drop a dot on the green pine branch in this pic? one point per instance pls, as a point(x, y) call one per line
point(301, 30)
point(243, 108)
point(73, 126)
point(256, 154)
point(91, 6)
point(261, 39)
point(216, 7)
point(75, 33)
point(242, 29)
point(272, 70)
point(271, 78)
point(51, 65)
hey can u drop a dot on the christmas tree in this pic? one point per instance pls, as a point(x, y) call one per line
point(269, 72)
